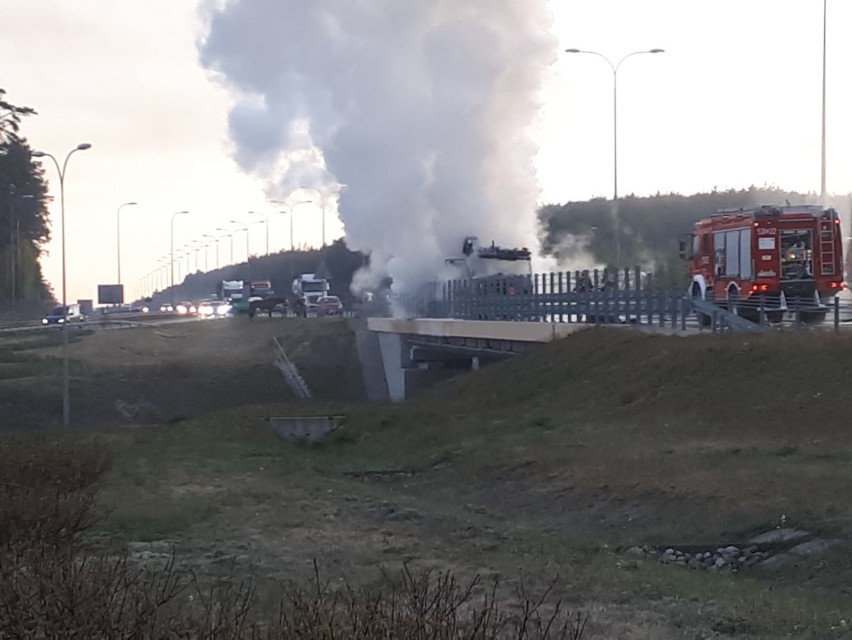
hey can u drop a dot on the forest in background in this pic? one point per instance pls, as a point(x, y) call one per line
point(24, 223)
point(577, 234)
point(582, 234)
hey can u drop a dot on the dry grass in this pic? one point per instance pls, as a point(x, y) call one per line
point(608, 437)
point(153, 374)
point(55, 583)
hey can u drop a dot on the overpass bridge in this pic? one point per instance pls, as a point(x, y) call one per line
point(418, 352)
point(461, 325)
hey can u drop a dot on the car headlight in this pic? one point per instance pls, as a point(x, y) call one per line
point(61, 320)
point(145, 309)
point(223, 310)
point(181, 309)
point(44, 320)
point(193, 309)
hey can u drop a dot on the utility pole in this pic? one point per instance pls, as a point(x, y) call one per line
point(13, 251)
point(15, 248)
point(822, 159)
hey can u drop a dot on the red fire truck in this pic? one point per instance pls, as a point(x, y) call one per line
point(775, 258)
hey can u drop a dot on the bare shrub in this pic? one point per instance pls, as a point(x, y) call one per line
point(59, 593)
point(47, 491)
point(426, 605)
point(56, 583)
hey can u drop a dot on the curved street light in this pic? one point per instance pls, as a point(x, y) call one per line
point(292, 215)
point(246, 229)
point(615, 67)
point(286, 213)
point(214, 239)
point(320, 204)
point(118, 236)
point(172, 236)
point(201, 245)
point(229, 234)
point(822, 193)
point(15, 244)
point(266, 222)
point(66, 396)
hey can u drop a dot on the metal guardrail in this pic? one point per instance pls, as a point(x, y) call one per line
point(547, 298)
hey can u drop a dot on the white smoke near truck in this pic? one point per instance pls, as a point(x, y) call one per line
point(422, 109)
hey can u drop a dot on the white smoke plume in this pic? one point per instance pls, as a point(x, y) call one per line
point(422, 108)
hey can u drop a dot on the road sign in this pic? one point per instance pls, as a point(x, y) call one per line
point(110, 294)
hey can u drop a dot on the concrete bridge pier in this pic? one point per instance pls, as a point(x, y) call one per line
point(412, 367)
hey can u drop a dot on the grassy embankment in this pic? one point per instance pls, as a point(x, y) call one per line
point(541, 465)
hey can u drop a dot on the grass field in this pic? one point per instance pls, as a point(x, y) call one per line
point(160, 373)
point(546, 465)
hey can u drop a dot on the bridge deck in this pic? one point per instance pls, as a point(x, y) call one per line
point(482, 329)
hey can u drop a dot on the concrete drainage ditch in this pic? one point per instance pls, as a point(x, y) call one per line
point(310, 428)
point(771, 548)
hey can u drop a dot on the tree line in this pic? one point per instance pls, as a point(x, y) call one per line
point(634, 231)
point(24, 223)
point(648, 228)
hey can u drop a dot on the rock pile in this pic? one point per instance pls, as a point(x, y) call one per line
point(774, 547)
point(730, 558)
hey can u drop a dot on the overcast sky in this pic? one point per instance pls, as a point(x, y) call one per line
point(735, 100)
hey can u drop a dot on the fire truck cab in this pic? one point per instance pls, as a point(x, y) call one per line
point(770, 258)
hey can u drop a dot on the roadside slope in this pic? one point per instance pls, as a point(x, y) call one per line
point(630, 438)
point(543, 464)
point(155, 374)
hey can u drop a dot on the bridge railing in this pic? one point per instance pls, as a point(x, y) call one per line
point(629, 298)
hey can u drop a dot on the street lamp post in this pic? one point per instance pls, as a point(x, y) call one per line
point(231, 236)
point(163, 272)
point(200, 244)
point(266, 222)
point(292, 215)
point(15, 245)
point(211, 239)
point(174, 215)
point(291, 224)
point(246, 229)
point(822, 157)
point(615, 68)
point(118, 237)
point(186, 251)
point(66, 395)
point(321, 205)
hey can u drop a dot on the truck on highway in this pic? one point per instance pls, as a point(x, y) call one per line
point(770, 259)
point(261, 289)
point(230, 290)
point(310, 288)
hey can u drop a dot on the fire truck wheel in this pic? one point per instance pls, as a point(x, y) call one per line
point(703, 319)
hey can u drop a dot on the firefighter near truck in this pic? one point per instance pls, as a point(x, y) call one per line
point(763, 262)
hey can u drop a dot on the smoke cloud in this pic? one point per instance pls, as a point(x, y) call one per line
point(421, 108)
